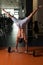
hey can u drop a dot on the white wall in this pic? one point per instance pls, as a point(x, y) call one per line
point(35, 4)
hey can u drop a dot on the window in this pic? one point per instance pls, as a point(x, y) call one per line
point(16, 13)
point(13, 12)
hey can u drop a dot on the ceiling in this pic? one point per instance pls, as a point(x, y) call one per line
point(9, 3)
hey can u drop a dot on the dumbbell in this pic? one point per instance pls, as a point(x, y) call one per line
point(9, 49)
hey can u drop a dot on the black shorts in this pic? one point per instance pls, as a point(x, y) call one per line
point(20, 40)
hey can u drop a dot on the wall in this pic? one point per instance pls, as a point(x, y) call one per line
point(38, 16)
point(35, 4)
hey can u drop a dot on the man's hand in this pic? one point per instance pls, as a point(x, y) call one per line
point(3, 9)
point(40, 6)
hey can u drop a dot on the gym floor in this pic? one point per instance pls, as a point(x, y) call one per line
point(14, 58)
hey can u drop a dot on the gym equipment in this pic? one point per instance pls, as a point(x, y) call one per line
point(1, 32)
point(9, 49)
point(38, 52)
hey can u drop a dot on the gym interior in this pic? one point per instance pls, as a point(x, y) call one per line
point(8, 33)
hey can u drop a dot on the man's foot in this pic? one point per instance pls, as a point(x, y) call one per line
point(16, 50)
point(25, 52)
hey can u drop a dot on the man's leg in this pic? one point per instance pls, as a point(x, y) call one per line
point(17, 45)
point(26, 47)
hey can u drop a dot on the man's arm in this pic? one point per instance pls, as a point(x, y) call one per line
point(31, 14)
point(34, 11)
point(7, 13)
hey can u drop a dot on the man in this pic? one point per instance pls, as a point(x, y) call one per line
point(21, 36)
